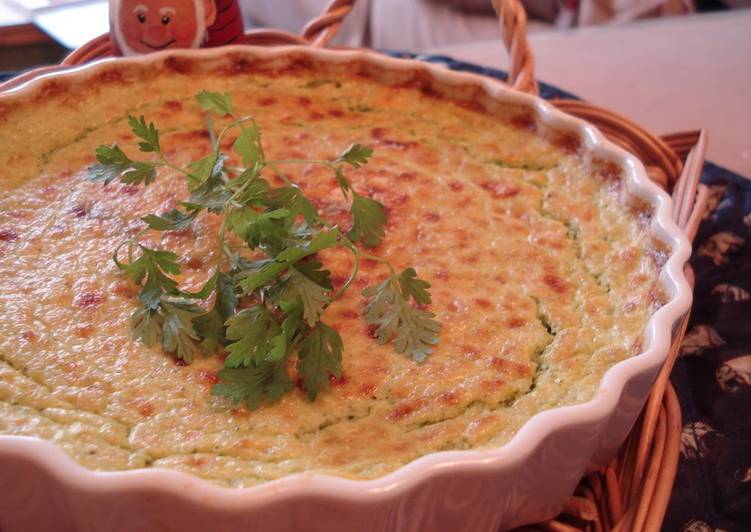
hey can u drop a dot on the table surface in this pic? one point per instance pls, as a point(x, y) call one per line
point(670, 74)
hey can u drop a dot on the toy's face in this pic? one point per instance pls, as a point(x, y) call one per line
point(149, 25)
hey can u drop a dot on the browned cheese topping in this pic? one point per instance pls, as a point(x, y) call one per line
point(542, 268)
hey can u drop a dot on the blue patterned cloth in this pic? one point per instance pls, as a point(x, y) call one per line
point(713, 374)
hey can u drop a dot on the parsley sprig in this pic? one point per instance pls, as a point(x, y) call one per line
point(265, 300)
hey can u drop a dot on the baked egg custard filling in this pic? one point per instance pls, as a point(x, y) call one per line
point(542, 268)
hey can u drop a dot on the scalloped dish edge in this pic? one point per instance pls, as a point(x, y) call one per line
point(524, 443)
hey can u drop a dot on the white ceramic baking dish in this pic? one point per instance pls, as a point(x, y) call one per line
point(526, 480)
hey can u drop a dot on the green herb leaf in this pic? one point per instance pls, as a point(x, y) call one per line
point(260, 229)
point(147, 132)
point(112, 155)
point(114, 164)
point(266, 383)
point(210, 195)
point(413, 330)
point(153, 265)
point(179, 336)
point(139, 172)
point(215, 102)
point(266, 270)
point(211, 325)
point(292, 199)
point(202, 170)
point(206, 290)
point(355, 156)
point(413, 287)
point(251, 331)
point(321, 241)
point(226, 301)
point(314, 297)
point(256, 192)
point(369, 220)
point(313, 271)
point(256, 274)
point(342, 181)
point(211, 331)
point(320, 356)
point(173, 220)
point(147, 326)
point(282, 343)
point(248, 145)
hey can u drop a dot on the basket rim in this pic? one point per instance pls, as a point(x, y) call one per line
point(527, 439)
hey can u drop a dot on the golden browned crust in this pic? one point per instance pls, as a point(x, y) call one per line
point(543, 270)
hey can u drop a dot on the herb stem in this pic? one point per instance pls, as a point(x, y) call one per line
point(212, 133)
point(358, 255)
point(176, 168)
point(221, 243)
point(281, 175)
point(353, 272)
point(234, 123)
point(376, 258)
point(347, 242)
point(327, 164)
point(134, 240)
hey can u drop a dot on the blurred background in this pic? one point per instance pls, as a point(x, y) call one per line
point(418, 25)
point(41, 31)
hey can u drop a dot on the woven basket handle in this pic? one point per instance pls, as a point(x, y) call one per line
point(321, 30)
point(513, 20)
point(689, 196)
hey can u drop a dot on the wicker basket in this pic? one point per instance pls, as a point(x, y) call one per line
point(633, 491)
